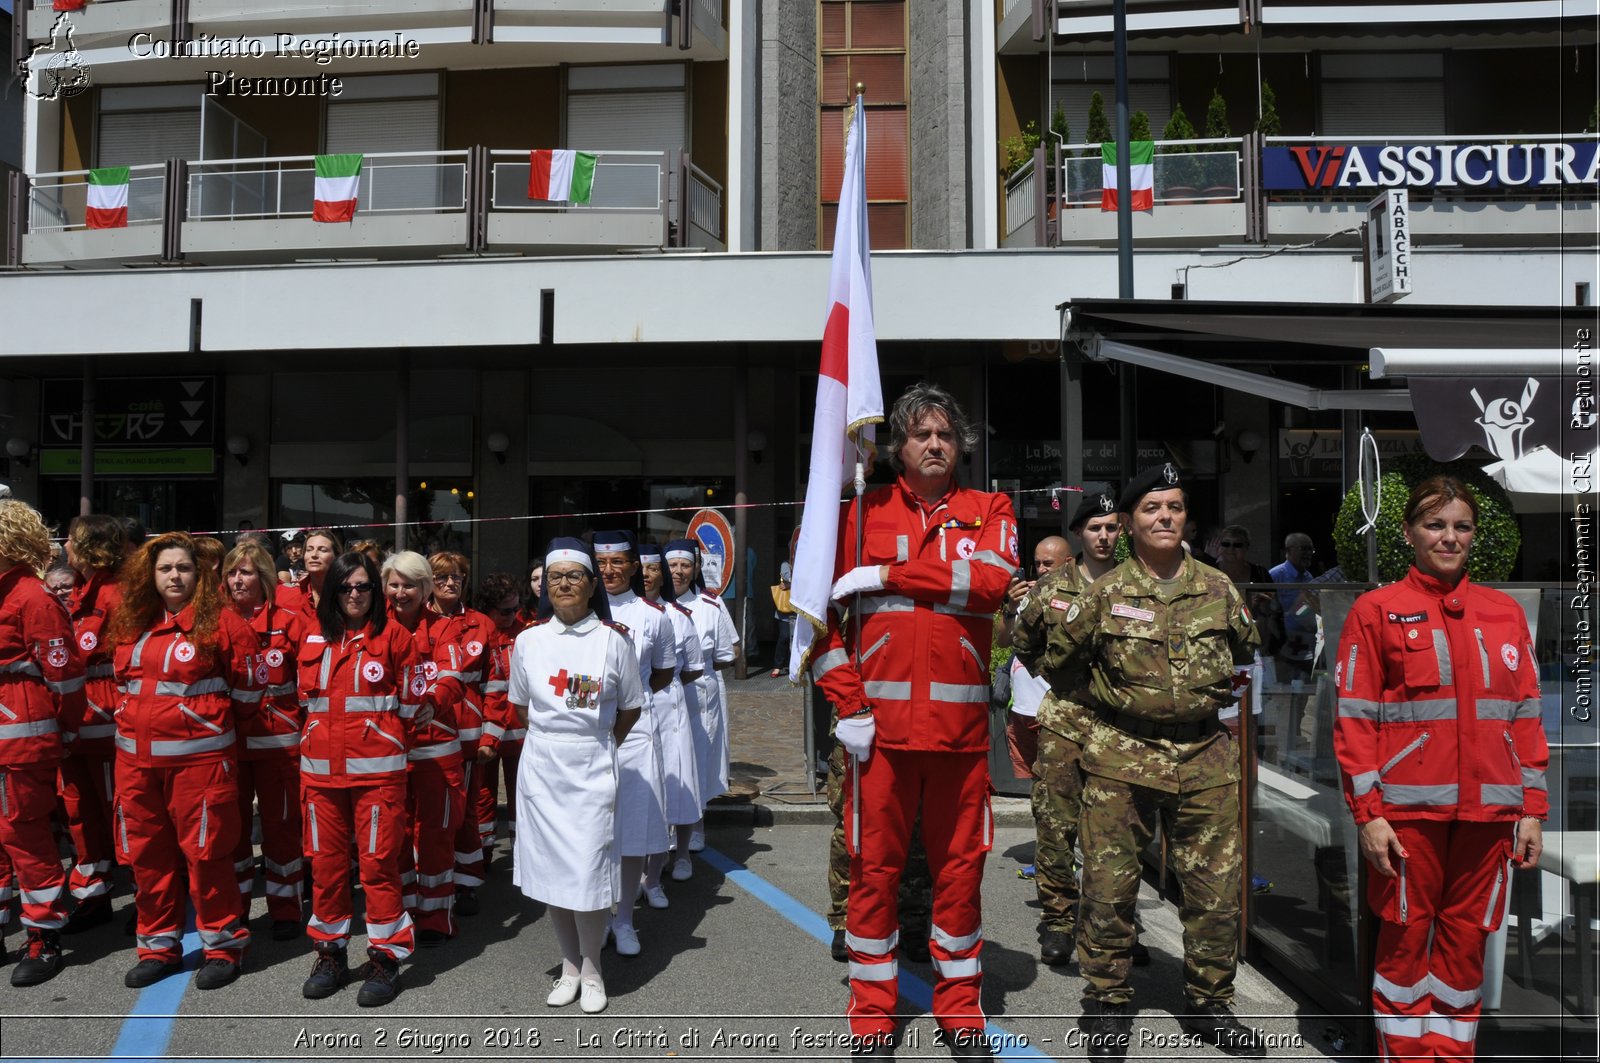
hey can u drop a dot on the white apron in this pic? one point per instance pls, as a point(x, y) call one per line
point(573, 681)
point(680, 774)
point(717, 643)
point(641, 797)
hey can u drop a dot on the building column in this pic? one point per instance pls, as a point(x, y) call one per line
point(503, 545)
point(246, 480)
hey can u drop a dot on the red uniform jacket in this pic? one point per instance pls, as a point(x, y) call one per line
point(463, 669)
point(1439, 710)
point(275, 730)
point(924, 640)
point(179, 706)
point(296, 598)
point(437, 740)
point(41, 674)
point(361, 696)
point(501, 722)
point(91, 607)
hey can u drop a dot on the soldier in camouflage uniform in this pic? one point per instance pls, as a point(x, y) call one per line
point(1160, 637)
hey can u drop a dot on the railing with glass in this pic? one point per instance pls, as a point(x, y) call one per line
point(623, 181)
point(1206, 171)
point(57, 202)
point(284, 186)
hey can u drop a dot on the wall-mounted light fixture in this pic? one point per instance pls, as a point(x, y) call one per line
point(1248, 441)
point(755, 441)
point(19, 450)
point(239, 447)
point(498, 443)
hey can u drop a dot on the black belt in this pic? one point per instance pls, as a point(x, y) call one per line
point(1140, 727)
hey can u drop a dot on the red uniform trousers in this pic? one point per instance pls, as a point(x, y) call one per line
point(27, 797)
point(510, 757)
point(469, 843)
point(88, 795)
point(176, 821)
point(1436, 914)
point(272, 784)
point(488, 798)
point(436, 800)
point(374, 817)
point(952, 790)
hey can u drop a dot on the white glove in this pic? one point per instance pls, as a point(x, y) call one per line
point(863, 579)
point(855, 733)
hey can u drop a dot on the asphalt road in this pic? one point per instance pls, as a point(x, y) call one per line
point(736, 968)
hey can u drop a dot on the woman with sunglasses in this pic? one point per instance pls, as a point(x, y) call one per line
point(41, 686)
point(435, 787)
point(465, 634)
point(186, 666)
point(95, 548)
point(498, 600)
point(718, 644)
point(673, 708)
point(574, 684)
point(318, 549)
point(363, 686)
point(269, 750)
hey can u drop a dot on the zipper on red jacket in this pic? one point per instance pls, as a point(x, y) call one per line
point(1415, 744)
point(356, 687)
point(1516, 761)
point(205, 811)
point(1483, 657)
point(122, 828)
point(311, 820)
point(372, 834)
point(875, 647)
point(5, 795)
point(1403, 905)
point(976, 656)
point(201, 720)
point(1494, 894)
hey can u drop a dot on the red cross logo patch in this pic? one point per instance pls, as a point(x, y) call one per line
point(372, 672)
point(88, 641)
point(184, 652)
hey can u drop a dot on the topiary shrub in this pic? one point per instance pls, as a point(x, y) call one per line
point(1099, 130)
point(1138, 126)
point(1494, 547)
point(1268, 124)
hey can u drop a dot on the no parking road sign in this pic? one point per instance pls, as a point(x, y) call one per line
point(715, 535)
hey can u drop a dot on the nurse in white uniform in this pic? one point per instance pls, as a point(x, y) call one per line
point(718, 643)
point(680, 773)
point(641, 797)
point(574, 684)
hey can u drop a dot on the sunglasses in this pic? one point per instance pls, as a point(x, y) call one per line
point(355, 588)
point(1233, 544)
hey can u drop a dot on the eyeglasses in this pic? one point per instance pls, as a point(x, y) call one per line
point(558, 579)
point(355, 588)
point(451, 578)
point(1233, 544)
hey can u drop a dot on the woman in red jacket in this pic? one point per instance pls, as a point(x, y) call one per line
point(95, 548)
point(41, 693)
point(320, 548)
point(361, 682)
point(1442, 748)
point(269, 747)
point(186, 668)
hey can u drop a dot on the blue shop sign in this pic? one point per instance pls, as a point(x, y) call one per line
point(1551, 164)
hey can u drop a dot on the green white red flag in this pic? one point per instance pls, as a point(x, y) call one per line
point(1141, 177)
point(338, 178)
point(108, 198)
point(558, 175)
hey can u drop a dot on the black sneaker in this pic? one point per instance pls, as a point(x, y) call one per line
point(837, 948)
point(149, 972)
point(40, 960)
point(1108, 1028)
point(382, 982)
point(96, 911)
point(1056, 948)
point(329, 970)
point(286, 929)
point(1217, 1024)
point(428, 938)
point(214, 974)
point(466, 901)
point(1139, 954)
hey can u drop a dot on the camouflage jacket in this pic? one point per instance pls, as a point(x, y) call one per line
point(1041, 611)
point(1166, 661)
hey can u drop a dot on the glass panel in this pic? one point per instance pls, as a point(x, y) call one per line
point(878, 24)
point(835, 80)
point(883, 75)
point(833, 16)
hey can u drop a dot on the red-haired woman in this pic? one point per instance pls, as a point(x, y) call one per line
point(186, 667)
point(95, 549)
point(41, 688)
point(269, 750)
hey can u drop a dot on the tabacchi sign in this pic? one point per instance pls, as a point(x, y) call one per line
point(1546, 164)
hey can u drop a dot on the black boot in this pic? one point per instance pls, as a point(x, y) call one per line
point(838, 949)
point(91, 913)
point(466, 901)
point(1056, 948)
point(149, 972)
point(1217, 1024)
point(329, 970)
point(214, 974)
point(382, 982)
point(41, 958)
point(1108, 1029)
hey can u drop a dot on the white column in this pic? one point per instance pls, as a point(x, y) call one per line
point(983, 153)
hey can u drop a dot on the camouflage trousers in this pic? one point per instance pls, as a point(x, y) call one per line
point(916, 882)
point(1057, 800)
point(1202, 830)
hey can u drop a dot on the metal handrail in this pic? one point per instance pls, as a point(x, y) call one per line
point(442, 161)
point(704, 197)
point(660, 160)
point(41, 203)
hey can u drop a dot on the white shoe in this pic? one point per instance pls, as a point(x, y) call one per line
point(682, 870)
point(627, 939)
point(594, 997)
point(563, 992)
point(697, 842)
point(656, 896)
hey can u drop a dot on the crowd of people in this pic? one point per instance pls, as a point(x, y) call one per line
point(165, 695)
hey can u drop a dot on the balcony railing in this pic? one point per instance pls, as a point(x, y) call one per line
point(284, 186)
point(1020, 192)
point(623, 181)
point(1186, 171)
point(58, 202)
point(702, 227)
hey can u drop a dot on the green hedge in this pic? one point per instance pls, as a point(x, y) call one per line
point(1494, 547)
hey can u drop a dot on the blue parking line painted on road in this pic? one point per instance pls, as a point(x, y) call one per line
point(912, 988)
point(147, 1030)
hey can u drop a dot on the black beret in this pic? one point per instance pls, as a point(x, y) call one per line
point(1160, 478)
point(1096, 505)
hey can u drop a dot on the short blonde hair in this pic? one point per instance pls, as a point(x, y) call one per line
point(412, 567)
point(253, 552)
point(24, 538)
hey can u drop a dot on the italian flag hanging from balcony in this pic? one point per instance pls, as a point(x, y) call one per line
point(1141, 177)
point(338, 177)
point(69, 5)
point(108, 199)
point(558, 175)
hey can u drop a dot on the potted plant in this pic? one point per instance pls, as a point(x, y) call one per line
point(1179, 172)
point(1217, 128)
point(1017, 149)
point(1268, 124)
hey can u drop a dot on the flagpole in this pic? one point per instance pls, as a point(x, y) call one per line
point(861, 489)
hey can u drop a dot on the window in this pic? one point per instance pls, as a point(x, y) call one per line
point(629, 108)
point(864, 41)
point(1149, 90)
point(1377, 95)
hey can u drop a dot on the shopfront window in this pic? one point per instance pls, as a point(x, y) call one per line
point(573, 506)
point(439, 511)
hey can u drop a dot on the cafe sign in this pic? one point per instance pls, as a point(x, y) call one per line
point(1547, 164)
